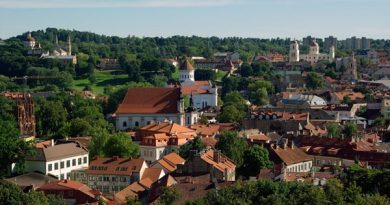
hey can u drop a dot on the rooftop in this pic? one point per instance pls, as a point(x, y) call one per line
point(150, 101)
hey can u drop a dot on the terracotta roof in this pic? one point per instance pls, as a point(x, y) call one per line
point(291, 155)
point(186, 65)
point(70, 185)
point(115, 166)
point(193, 89)
point(259, 137)
point(59, 151)
point(202, 83)
point(131, 191)
point(44, 144)
point(174, 158)
point(352, 95)
point(168, 166)
point(150, 101)
point(206, 130)
point(209, 141)
point(150, 176)
point(167, 127)
point(225, 162)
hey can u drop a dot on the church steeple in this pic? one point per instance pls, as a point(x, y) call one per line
point(69, 46)
point(57, 41)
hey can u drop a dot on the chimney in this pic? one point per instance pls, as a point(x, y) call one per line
point(217, 156)
point(292, 144)
point(65, 181)
point(52, 142)
point(285, 144)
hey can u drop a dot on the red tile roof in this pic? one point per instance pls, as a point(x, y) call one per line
point(224, 163)
point(115, 166)
point(291, 155)
point(150, 101)
point(352, 95)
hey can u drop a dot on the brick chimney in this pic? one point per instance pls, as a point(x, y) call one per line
point(217, 156)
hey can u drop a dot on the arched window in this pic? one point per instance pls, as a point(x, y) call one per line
point(124, 124)
point(136, 123)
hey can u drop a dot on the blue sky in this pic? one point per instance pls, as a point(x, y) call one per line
point(244, 18)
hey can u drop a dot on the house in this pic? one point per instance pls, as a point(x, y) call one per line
point(343, 110)
point(57, 160)
point(147, 190)
point(73, 192)
point(109, 64)
point(381, 73)
point(31, 181)
point(385, 108)
point(291, 157)
point(203, 94)
point(259, 138)
point(61, 55)
point(157, 140)
point(338, 97)
point(270, 57)
point(169, 162)
point(302, 102)
point(142, 106)
point(280, 121)
point(110, 175)
point(211, 162)
point(227, 55)
point(206, 131)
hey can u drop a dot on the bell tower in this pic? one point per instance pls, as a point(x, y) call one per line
point(294, 51)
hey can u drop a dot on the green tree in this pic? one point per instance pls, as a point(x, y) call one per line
point(246, 70)
point(232, 146)
point(333, 129)
point(314, 81)
point(51, 119)
point(133, 201)
point(169, 196)
point(230, 114)
point(255, 159)
point(196, 144)
point(119, 144)
point(350, 130)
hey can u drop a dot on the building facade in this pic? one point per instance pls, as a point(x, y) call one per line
point(313, 56)
point(141, 106)
point(58, 160)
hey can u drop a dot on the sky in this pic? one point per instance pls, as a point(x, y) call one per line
point(221, 18)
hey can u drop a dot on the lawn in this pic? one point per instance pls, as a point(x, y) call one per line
point(103, 79)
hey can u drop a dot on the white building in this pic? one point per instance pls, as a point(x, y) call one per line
point(313, 56)
point(203, 93)
point(141, 106)
point(58, 160)
point(292, 158)
point(60, 54)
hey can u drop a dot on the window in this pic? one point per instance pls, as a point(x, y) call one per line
point(106, 179)
point(113, 179)
point(68, 175)
point(56, 166)
point(79, 161)
point(136, 123)
point(50, 167)
point(62, 176)
point(62, 165)
point(73, 162)
point(124, 124)
point(67, 163)
point(70, 193)
point(85, 160)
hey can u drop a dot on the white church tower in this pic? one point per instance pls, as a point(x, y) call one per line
point(294, 51)
point(314, 48)
point(332, 54)
point(187, 73)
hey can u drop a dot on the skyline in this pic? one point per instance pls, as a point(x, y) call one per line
point(221, 18)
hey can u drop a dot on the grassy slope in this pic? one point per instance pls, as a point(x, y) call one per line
point(103, 79)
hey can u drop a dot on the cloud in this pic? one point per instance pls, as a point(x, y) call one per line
point(114, 3)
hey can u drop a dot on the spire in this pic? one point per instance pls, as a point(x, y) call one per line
point(56, 40)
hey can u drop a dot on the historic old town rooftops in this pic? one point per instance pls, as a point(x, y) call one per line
point(150, 101)
point(115, 166)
